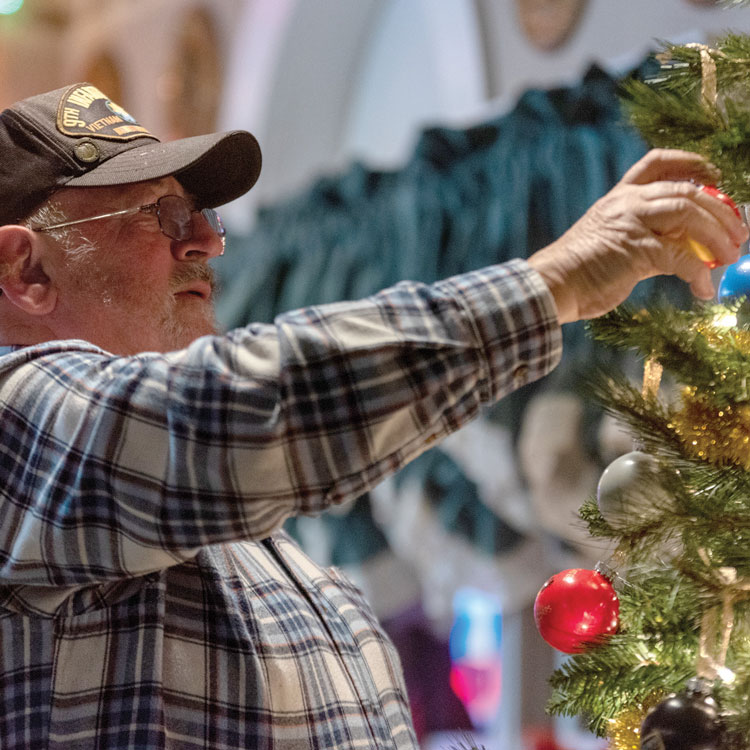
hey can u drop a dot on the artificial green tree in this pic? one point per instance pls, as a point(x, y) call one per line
point(680, 531)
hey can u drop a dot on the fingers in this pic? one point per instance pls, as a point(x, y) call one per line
point(639, 229)
point(698, 276)
point(673, 256)
point(672, 164)
point(681, 210)
point(703, 287)
point(668, 218)
point(723, 212)
point(694, 271)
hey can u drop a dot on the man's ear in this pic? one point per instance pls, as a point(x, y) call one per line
point(22, 278)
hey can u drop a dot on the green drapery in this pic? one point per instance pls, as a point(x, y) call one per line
point(466, 198)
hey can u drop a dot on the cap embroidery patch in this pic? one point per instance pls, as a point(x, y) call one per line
point(86, 111)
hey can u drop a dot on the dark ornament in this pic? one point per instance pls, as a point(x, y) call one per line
point(684, 721)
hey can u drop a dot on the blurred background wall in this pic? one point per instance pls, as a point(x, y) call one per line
point(350, 99)
point(325, 81)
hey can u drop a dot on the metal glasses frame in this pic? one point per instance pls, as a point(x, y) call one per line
point(209, 214)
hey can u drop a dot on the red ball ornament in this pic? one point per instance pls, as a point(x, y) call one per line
point(575, 608)
point(723, 197)
point(700, 249)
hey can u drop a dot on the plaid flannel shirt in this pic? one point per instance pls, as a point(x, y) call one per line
point(147, 598)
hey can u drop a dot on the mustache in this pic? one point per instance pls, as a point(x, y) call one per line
point(193, 272)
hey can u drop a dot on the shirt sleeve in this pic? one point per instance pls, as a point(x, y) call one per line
point(119, 466)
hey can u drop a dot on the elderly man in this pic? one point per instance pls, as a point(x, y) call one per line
point(148, 597)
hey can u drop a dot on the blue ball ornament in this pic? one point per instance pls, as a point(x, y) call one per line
point(735, 282)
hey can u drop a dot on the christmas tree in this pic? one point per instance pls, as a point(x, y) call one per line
point(661, 631)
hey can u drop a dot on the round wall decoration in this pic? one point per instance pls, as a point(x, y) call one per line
point(194, 78)
point(548, 23)
point(104, 73)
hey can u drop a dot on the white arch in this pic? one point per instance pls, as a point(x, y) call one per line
point(301, 74)
point(288, 82)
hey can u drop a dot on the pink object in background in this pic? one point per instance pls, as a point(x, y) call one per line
point(476, 662)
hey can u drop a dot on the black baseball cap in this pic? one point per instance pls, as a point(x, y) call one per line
point(78, 137)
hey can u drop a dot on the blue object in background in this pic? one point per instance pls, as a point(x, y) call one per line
point(736, 281)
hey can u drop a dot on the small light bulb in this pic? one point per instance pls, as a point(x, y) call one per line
point(726, 321)
point(726, 675)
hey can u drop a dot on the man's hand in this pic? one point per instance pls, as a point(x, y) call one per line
point(640, 229)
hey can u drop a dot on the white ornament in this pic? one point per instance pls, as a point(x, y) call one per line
point(630, 486)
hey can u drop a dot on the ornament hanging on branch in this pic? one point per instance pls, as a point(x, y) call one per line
point(685, 721)
point(701, 441)
point(624, 731)
point(700, 249)
point(735, 283)
point(630, 487)
point(575, 609)
point(691, 720)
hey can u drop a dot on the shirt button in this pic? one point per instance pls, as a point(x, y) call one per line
point(520, 374)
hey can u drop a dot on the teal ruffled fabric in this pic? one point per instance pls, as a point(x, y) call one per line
point(466, 198)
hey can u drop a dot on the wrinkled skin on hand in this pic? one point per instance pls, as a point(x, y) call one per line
point(640, 229)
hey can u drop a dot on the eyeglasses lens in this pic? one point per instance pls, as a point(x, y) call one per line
point(214, 221)
point(175, 217)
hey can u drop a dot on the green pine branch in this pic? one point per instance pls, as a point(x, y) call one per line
point(684, 528)
point(670, 110)
point(653, 655)
point(708, 505)
point(677, 531)
point(690, 344)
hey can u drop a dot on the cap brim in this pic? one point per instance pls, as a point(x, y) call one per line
point(215, 168)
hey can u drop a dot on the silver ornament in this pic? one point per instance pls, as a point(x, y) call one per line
point(630, 486)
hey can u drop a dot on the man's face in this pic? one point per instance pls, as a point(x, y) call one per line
point(129, 288)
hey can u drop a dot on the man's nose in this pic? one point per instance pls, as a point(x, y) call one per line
point(205, 242)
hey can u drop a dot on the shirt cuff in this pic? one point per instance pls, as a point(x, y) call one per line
point(515, 320)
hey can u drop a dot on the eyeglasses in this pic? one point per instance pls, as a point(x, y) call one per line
point(174, 213)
